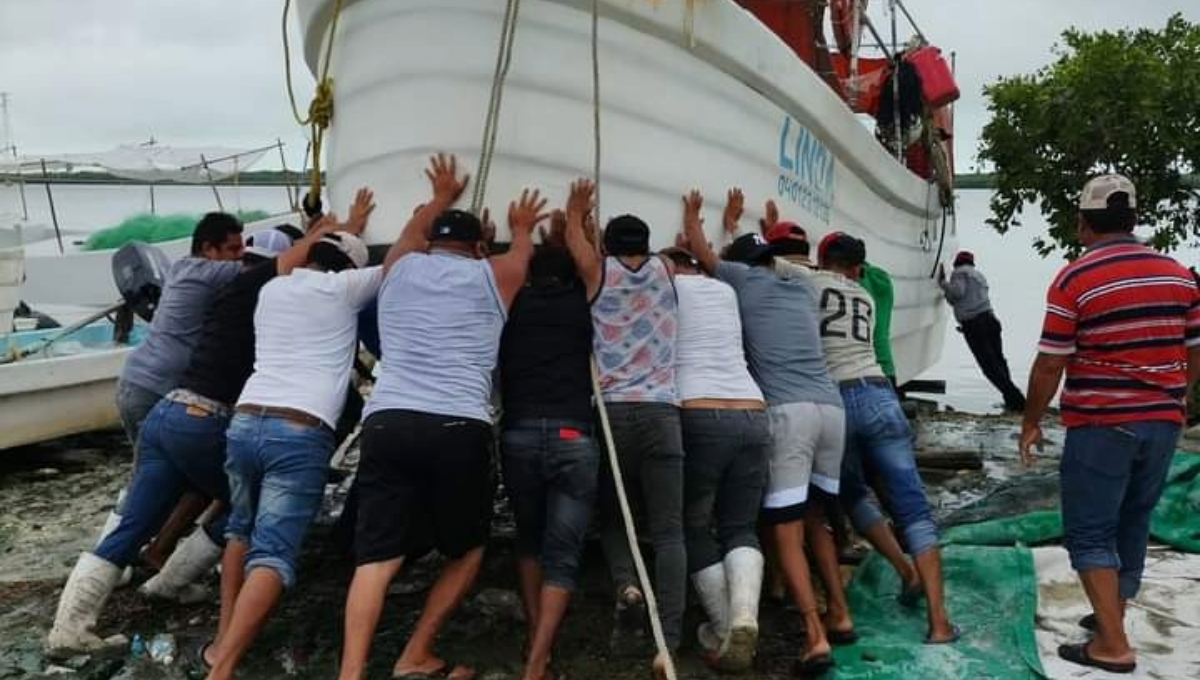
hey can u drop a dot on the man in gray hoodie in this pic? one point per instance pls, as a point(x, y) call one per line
point(967, 292)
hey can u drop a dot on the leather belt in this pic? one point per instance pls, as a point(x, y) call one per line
point(294, 415)
point(869, 380)
point(196, 401)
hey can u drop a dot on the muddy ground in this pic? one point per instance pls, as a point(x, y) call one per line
point(55, 497)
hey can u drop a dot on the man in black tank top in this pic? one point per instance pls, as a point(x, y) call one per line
point(550, 459)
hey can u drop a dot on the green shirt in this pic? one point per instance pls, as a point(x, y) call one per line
point(879, 285)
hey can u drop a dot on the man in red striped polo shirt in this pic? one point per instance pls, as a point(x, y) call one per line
point(1124, 322)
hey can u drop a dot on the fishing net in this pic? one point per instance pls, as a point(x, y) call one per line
point(154, 229)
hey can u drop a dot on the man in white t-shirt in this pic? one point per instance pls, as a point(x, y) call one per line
point(877, 435)
point(281, 435)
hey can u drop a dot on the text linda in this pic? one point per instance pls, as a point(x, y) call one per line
point(806, 167)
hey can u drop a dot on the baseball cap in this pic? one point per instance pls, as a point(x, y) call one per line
point(268, 243)
point(456, 225)
point(964, 257)
point(1104, 192)
point(626, 235)
point(842, 247)
point(748, 248)
point(351, 246)
point(785, 231)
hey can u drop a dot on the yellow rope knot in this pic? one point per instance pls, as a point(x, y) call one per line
point(320, 111)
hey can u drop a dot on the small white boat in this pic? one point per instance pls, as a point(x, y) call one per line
point(693, 94)
point(66, 389)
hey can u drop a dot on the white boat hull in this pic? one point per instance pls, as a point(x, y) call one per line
point(693, 94)
point(42, 399)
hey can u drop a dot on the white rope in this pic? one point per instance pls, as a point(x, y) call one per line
point(596, 106)
point(639, 564)
point(491, 123)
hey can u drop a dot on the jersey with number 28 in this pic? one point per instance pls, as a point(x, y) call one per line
point(847, 326)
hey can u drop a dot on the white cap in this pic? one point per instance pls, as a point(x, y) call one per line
point(267, 243)
point(1097, 191)
point(350, 245)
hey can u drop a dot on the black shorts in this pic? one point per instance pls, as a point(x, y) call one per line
point(424, 482)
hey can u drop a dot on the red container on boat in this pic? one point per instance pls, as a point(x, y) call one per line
point(937, 82)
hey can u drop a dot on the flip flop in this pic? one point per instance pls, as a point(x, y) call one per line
point(1078, 654)
point(841, 638)
point(442, 673)
point(198, 668)
point(812, 667)
point(1088, 623)
point(911, 596)
point(955, 635)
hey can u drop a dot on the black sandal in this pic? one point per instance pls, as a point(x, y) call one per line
point(841, 638)
point(1088, 623)
point(1078, 654)
point(812, 667)
point(198, 668)
point(445, 671)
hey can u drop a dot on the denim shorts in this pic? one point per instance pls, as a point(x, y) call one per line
point(550, 472)
point(1112, 477)
point(277, 471)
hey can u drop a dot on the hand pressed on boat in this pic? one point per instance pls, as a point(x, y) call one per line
point(770, 217)
point(556, 235)
point(693, 228)
point(360, 211)
point(447, 187)
point(583, 248)
point(443, 175)
point(489, 230)
point(512, 267)
point(735, 205)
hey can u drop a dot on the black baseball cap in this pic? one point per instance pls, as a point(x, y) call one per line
point(456, 225)
point(627, 235)
point(680, 256)
point(749, 248)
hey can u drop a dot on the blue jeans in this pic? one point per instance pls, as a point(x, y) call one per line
point(550, 472)
point(133, 405)
point(879, 447)
point(277, 471)
point(1112, 477)
point(178, 451)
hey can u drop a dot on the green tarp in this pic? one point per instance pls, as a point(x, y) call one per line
point(1175, 522)
point(153, 229)
point(991, 593)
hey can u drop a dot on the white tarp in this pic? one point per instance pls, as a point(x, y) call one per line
point(145, 162)
point(1163, 622)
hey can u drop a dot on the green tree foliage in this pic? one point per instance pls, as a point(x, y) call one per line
point(1125, 101)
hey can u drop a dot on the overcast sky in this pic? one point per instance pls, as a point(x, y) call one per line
point(85, 75)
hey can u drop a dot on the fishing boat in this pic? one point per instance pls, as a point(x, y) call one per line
point(67, 387)
point(661, 96)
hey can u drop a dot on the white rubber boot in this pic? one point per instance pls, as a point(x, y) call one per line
point(714, 596)
point(110, 525)
point(744, 570)
point(91, 582)
point(194, 557)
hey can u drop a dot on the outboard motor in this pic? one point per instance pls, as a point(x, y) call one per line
point(140, 272)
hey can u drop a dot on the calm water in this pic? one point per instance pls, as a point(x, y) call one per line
point(1018, 277)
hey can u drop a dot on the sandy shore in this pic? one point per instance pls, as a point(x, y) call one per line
point(55, 498)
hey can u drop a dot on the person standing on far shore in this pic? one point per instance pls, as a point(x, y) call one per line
point(967, 292)
point(1123, 322)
